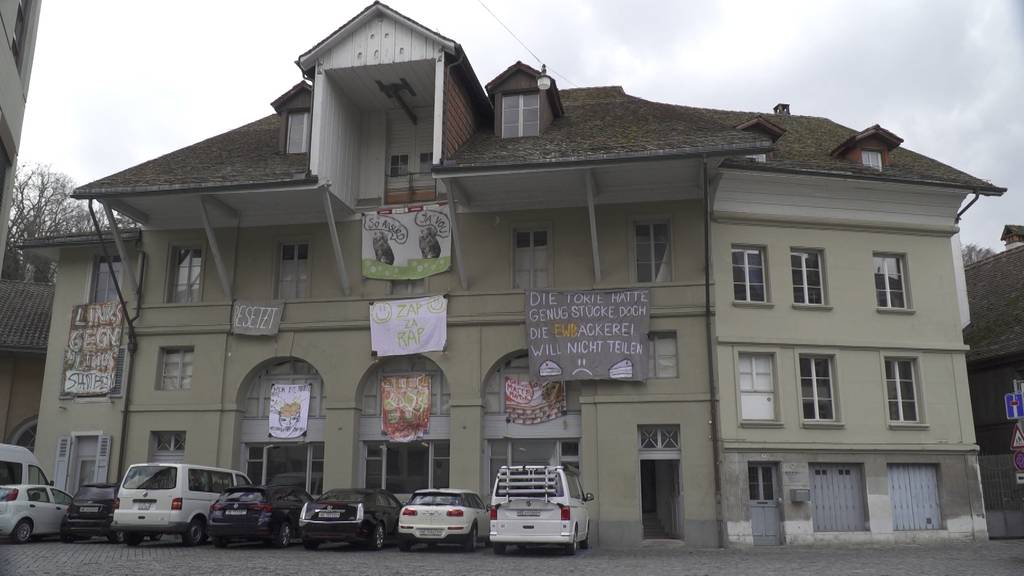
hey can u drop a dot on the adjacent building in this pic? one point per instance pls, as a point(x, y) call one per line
point(19, 20)
point(25, 309)
point(806, 377)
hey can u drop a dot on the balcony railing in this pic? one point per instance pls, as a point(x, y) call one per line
point(412, 187)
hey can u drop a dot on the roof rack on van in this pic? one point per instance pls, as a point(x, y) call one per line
point(528, 481)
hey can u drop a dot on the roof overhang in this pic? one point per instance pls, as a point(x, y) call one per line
point(50, 246)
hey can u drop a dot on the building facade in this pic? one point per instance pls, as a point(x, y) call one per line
point(25, 308)
point(579, 189)
point(19, 20)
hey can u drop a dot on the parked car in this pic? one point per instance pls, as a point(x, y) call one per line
point(364, 517)
point(18, 465)
point(170, 499)
point(539, 505)
point(270, 514)
point(444, 516)
point(90, 514)
point(31, 510)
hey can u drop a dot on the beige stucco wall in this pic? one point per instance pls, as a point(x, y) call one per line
point(21, 380)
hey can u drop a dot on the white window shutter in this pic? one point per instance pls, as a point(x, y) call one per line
point(102, 457)
point(60, 468)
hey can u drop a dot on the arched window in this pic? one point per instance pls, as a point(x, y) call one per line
point(290, 371)
point(25, 435)
point(440, 397)
point(519, 366)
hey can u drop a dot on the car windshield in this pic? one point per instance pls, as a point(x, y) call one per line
point(5, 491)
point(151, 478)
point(95, 493)
point(436, 499)
point(242, 496)
point(342, 496)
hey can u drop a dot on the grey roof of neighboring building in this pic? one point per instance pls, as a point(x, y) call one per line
point(80, 239)
point(995, 290)
point(25, 310)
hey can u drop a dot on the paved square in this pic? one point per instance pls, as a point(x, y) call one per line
point(96, 558)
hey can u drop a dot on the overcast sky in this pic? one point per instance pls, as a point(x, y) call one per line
point(116, 83)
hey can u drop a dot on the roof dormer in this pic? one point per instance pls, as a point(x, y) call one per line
point(293, 107)
point(870, 147)
point(521, 106)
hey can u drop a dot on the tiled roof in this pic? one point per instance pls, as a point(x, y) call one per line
point(995, 289)
point(25, 310)
point(246, 155)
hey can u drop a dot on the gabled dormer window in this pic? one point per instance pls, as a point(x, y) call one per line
point(871, 159)
point(298, 132)
point(520, 115)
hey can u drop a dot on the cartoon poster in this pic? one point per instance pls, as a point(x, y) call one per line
point(90, 359)
point(406, 243)
point(410, 326)
point(405, 402)
point(529, 402)
point(289, 410)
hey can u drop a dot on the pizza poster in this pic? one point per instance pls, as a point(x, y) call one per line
point(528, 402)
point(405, 406)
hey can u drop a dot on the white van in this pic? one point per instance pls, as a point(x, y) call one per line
point(18, 465)
point(159, 498)
point(534, 505)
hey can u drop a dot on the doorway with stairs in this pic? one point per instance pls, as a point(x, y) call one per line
point(660, 489)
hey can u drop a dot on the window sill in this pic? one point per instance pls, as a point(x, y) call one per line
point(824, 425)
point(905, 311)
point(816, 307)
point(908, 426)
point(742, 304)
point(761, 424)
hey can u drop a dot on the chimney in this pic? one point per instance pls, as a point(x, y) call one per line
point(781, 109)
point(1013, 236)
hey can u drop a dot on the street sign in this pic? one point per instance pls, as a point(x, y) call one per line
point(1018, 461)
point(1014, 406)
point(1017, 438)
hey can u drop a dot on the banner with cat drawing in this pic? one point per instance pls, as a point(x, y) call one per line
point(289, 409)
point(406, 243)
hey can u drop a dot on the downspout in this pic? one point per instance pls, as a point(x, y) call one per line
point(966, 208)
point(710, 335)
point(132, 342)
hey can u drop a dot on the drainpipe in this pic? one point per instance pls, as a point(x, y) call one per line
point(961, 213)
point(709, 328)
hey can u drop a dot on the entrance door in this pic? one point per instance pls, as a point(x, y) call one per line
point(764, 504)
point(659, 498)
point(83, 470)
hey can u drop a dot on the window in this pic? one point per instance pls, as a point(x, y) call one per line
point(871, 159)
point(531, 259)
point(748, 283)
point(816, 388)
point(297, 465)
point(18, 38)
point(662, 357)
point(399, 165)
point(10, 472)
point(293, 271)
point(176, 369)
point(403, 468)
point(533, 452)
point(103, 289)
point(520, 115)
point(426, 159)
point(298, 132)
point(659, 438)
point(62, 498)
point(901, 392)
point(292, 371)
point(38, 495)
point(890, 291)
point(651, 252)
point(808, 282)
point(757, 157)
point(36, 476)
point(409, 287)
point(186, 274)
point(167, 447)
point(757, 387)
point(200, 480)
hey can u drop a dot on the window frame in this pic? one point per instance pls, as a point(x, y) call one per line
point(901, 261)
point(392, 165)
point(99, 267)
point(306, 129)
point(823, 282)
point(776, 390)
point(865, 153)
point(916, 386)
point(747, 249)
point(832, 359)
point(382, 445)
point(279, 263)
point(519, 109)
point(532, 230)
point(634, 250)
point(172, 273)
point(652, 366)
point(161, 368)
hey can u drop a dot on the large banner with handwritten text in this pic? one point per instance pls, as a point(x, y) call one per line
point(405, 406)
point(406, 244)
point(90, 359)
point(588, 335)
point(410, 326)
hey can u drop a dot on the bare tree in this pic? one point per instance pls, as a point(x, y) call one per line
point(973, 252)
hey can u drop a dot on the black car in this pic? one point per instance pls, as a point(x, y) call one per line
point(364, 517)
point(270, 514)
point(90, 514)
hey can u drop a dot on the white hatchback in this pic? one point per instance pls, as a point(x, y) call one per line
point(28, 510)
point(443, 516)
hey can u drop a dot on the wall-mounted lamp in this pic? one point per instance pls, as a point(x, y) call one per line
point(543, 81)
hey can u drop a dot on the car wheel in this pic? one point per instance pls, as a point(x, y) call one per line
point(570, 548)
point(115, 537)
point(585, 543)
point(22, 532)
point(405, 545)
point(133, 539)
point(499, 548)
point(470, 544)
point(220, 542)
point(283, 537)
point(377, 540)
point(195, 533)
point(310, 544)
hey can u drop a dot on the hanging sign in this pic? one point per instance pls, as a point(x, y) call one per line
point(90, 359)
point(405, 406)
point(409, 326)
point(289, 410)
point(256, 318)
point(529, 402)
point(406, 244)
point(588, 335)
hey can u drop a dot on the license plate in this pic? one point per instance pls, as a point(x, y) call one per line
point(431, 532)
point(143, 505)
point(330, 515)
point(528, 513)
point(88, 509)
point(235, 512)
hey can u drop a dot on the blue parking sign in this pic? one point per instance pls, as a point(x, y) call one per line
point(1014, 406)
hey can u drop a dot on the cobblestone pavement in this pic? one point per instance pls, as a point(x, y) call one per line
point(97, 558)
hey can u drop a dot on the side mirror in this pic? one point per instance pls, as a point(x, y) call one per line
point(50, 483)
point(588, 497)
